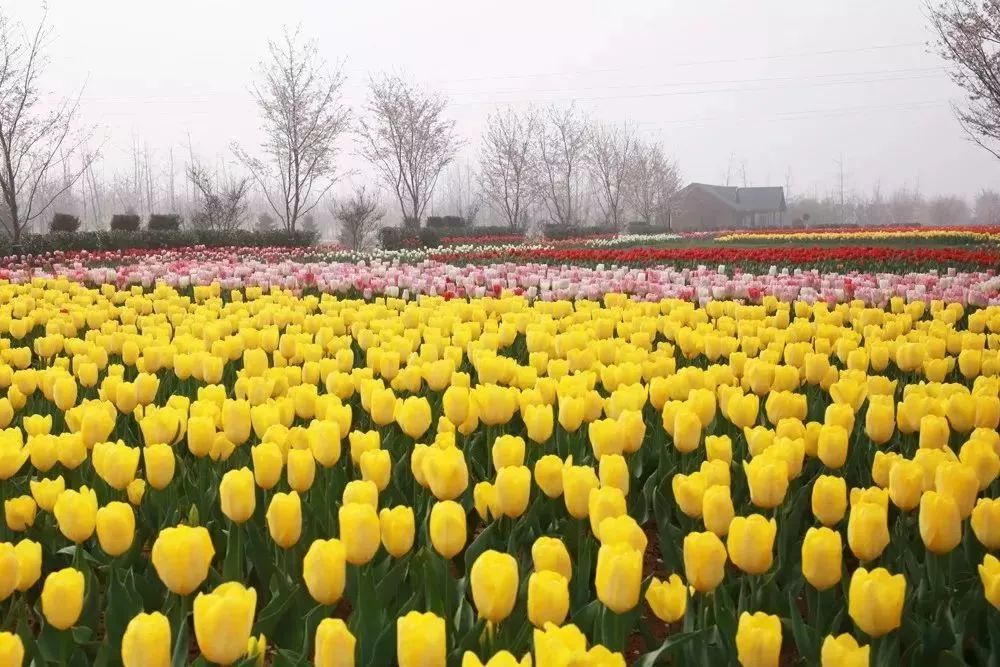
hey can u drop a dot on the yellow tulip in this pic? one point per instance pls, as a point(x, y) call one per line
point(12, 650)
point(940, 522)
point(64, 393)
point(829, 499)
point(62, 598)
point(398, 529)
point(667, 599)
point(759, 438)
point(986, 523)
point(200, 435)
point(832, 446)
point(880, 421)
point(550, 554)
point(446, 472)
point(704, 561)
point(36, 424)
point(906, 480)
point(76, 514)
point(362, 492)
point(539, 421)
point(750, 543)
point(223, 620)
point(767, 478)
point(934, 432)
point(959, 482)
point(182, 556)
point(549, 475)
point(689, 492)
point(548, 598)
point(29, 564)
point(284, 519)
point(822, 557)
point(9, 566)
point(562, 645)
point(513, 489)
point(742, 410)
point(687, 431)
point(447, 528)
point(717, 509)
point(619, 576)
point(324, 442)
point(494, 580)
point(301, 470)
point(981, 457)
point(603, 503)
point(324, 570)
point(236, 421)
point(613, 471)
point(989, 574)
point(20, 513)
point(237, 495)
point(116, 463)
point(844, 651)
point(577, 482)
point(146, 642)
point(267, 464)
point(719, 448)
point(135, 491)
point(508, 450)
point(335, 645)
point(46, 492)
point(868, 530)
point(758, 640)
point(115, 528)
point(570, 413)
point(414, 416)
point(159, 463)
point(875, 600)
point(455, 401)
point(420, 640)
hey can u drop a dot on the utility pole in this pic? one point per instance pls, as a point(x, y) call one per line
point(840, 169)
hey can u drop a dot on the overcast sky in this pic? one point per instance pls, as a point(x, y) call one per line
point(778, 87)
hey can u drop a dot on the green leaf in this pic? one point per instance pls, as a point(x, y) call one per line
point(806, 637)
point(272, 613)
point(482, 543)
point(668, 647)
point(387, 588)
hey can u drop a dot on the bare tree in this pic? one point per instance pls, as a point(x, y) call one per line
point(509, 169)
point(906, 207)
point(610, 156)
point(34, 144)
point(223, 201)
point(359, 218)
point(562, 149)
point(408, 140)
point(462, 195)
point(948, 211)
point(652, 182)
point(987, 209)
point(300, 103)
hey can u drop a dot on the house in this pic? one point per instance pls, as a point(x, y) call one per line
point(705, 207)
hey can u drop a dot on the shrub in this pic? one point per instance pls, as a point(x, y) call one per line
point(163, 222)
point(37, 244)
point(64, 222)
point(125, 222)
point(411, 224)
point(556, 232)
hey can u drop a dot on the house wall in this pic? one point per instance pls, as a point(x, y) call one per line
point(697, 211)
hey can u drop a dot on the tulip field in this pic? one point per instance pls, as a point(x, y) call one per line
point(523, 455)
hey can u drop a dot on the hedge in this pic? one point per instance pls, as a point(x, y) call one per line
point(164, 222)
point(64, 222)
point(37, 244)
point(562, 232)
point(125, 222)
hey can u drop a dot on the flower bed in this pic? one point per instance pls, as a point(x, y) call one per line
point(967, 234)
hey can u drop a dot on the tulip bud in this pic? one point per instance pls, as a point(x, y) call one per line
point(829, 499)
point(513, 489)
point(549, 475)
point(704, 561)
point(550, 553)
point(335, 645)
point(622, 528)
point(508, 450)
point(613, 471)
point(485, 499)
point(12, 649)
point(719, 448)
point(200, 435)
point(983, 458)
point(64, 393)
point(446, 472)
point(603, 503)
point(822, 552)
point(76, 514)
point(689, 491)
point(934, 432)
point(62, 598)
point(758, 640)
point(9, 565)
point(687, 430)
point(882, 465)
point(237, 495)
point(116, 463)
point(236, 421)
point(324, 570)
point(146, 641)
point(960, 483)
point(420, 639)
point(284, 519)
point(875, 600)
point(843, 651)
point(940, 522)
point(414, 416)
point(868, 530)
point(115, 528)
point(539, 421)
point(376, 466)
point(578, 481)
point(986, 523)
point(717, 509)
point(135, 491)
point(29, 565)
point(398, 530)
point(447, 528)
point(182, 556)
point(667, 599)
point(267, 464)
point(223, 620)
point(570, 412)
point(832, 446)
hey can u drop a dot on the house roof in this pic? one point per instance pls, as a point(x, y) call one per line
point(750, 200)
